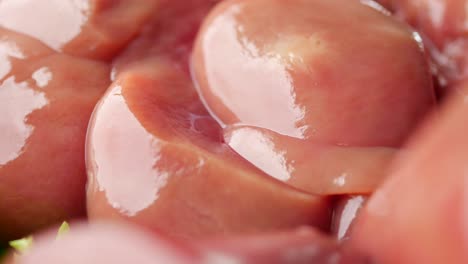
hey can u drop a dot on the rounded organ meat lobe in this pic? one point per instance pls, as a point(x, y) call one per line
point(445, 27)
point(96, 29)
point(156, 157)
point(317, 168)
point(46, 100)
point(420, 213)
point(323, 78)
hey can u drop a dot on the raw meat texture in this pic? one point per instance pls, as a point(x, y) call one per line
point(105, 243)
point(46, 100)
point(112, 243)
point(444, 24)
point(420, 213)
point(156, 157)
point(96, 29)
point(345, 212)
point(150, 160)
point(168, 35)
point(300, 246)
point(294, 80)
point(324, 169)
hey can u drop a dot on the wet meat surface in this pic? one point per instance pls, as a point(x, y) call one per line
point(96, 29)
point(444, 27)
point(45, 112)
point(422, 203)
point(293, 87)
point(235, 131)
point(173, 171)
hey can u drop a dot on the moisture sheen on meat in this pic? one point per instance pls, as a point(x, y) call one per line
point(155, 156)
point(318, 94)
point(46, 100)
point(346, 210)
point(48, 88)
point(96, 29)
point(444, 25)
point(420, 214)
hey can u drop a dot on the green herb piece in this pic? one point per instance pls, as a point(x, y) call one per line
point(63, 230)
point(22, 245)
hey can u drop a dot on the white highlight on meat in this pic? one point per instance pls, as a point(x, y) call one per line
point(8, 49)
point(261, 152)
point(54, 22)
point(349, 213)
point(42, 77)
point(126, 170)
point(373, 4)
point(436, 10)
point(266, 73)
point(17, 102)
point(341, 180)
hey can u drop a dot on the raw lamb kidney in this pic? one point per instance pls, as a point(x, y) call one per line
point(444, 25)
point(46, 100)
point(419, 215)
point(318, 94)
point(96, 29)
point(156, 157)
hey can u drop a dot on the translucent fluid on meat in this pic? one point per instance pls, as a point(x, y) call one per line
point(444, 25)
point(235, 131)
point(316, 168)
point(96, 29)
point(45, 112)
point(156, 157)
point(347, 208)
point(311, 99)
